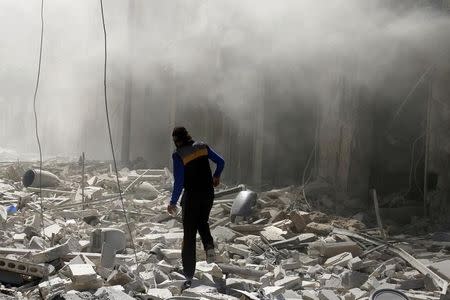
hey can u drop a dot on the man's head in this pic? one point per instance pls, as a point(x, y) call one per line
point(181, 136)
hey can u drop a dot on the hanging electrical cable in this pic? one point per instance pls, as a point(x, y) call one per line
point(109, 130)
point(36, 89)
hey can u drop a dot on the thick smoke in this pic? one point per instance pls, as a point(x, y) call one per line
point(229, 53)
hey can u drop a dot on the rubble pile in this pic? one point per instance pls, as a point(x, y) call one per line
point(283, 249)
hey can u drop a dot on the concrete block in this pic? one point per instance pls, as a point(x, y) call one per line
point(91, 285)
point(53, 285)
point(353, 279)
point(273, 234)
point(355, 264)
point(289, 282)
point(311, 285)
point(160, 276)
point(51, 253)
point(207, 292)
point(212, 269)
point(267, 279)
point(242, 284)
point(135, 286)
point(108, 257)
point(159, 294)
point(25, 268)
point(330, 281)
point(223, 234)
point(274, 291)
point(339, 260)
point(309, 295)
point(314, 270)
point(240, 250)
point(171, 253)
point(358, 293)
point(121, 276)
point(332, 249)
point(112, 236)
point(112, 293)
point(32, 225)
point(37, 242)
point(53, 230)
point(19, 237)
point(82, 273)
point(299, 220)
point(79, 214)
point(328, 295)
point(371, 284)
point(318, 228)
point(291, 265)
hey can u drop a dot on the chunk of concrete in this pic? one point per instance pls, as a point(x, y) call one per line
point(223, 234)
point(112, 293)
point(37, 242)
point(51, 253)
point(108, 257)
point(318, 228)
point(289, 282)
point(112, 236)
point(121, 276)
point(358, 293)
point(32, 225)
point(52, 230)
point(274, 291)
point(212, 269)
point(171, 253)
point(355, 264)
point(353, 279)
point(207, 292)
point(328, 295)
point(299, 220)
point(53, 285)
point(159, 294)
point(239, 250)
point(339, 260)
point(273, 234)
point(82, 273)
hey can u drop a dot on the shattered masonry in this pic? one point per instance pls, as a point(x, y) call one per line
point(280, 249)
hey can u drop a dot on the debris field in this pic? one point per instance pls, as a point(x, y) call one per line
point(77, 245)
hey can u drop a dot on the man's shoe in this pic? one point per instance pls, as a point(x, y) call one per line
point(210, 256)
point(187, 284)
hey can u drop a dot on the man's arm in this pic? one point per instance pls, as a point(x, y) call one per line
point(218, 160)
point(178, 174)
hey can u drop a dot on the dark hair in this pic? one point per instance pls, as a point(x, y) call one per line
point(180, 134)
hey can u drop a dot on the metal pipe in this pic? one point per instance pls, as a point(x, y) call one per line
point(47, 179)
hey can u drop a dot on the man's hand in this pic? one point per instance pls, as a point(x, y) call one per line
point(216, 181)
point(172, 209)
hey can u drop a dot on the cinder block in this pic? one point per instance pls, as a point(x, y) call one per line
point(114, 237)
point(26, 268)
point(121, 276)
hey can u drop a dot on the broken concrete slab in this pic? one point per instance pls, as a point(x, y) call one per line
point(339, 260)
point(112, 293)
point(159, 294)
point(318, 228)
point(328, 295)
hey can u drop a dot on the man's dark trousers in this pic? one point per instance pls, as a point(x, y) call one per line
point(195, 212)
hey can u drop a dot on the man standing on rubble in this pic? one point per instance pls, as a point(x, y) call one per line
point(193, 173)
